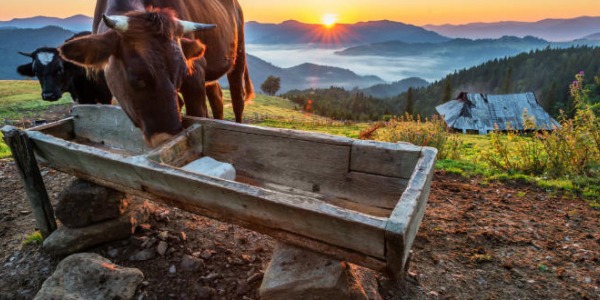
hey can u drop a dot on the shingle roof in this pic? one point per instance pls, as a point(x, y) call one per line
point(481, 112)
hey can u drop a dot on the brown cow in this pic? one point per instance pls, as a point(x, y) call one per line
point(139, 45)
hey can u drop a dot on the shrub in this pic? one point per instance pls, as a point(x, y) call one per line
point(571, 150)
point(429, 132)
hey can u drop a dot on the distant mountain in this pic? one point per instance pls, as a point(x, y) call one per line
point(75, 23)
point(491, 48)
point(387, 90)
point(306, 76)
point(548, 29)
point(26, 40)
point(593, 37)
point(459, 54)
point(294, 32)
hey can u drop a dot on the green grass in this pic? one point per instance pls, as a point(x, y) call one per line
point(33, 239)
point(21, 98)
point(4, 150)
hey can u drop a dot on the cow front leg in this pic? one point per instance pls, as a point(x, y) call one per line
point(215, 99)
point(194, 95)
point(236, 87)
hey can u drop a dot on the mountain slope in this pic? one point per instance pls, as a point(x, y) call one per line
point(548, 73)
point(294, 32)
point(26, 40)
point(388, 90)
point(75, 23)
point(306, 76)
point(548, 29)
point(492, 48)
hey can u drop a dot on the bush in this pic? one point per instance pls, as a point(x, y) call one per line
point(571, 150)
point(429, 132)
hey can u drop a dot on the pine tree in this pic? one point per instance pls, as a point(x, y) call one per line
point(410, 101)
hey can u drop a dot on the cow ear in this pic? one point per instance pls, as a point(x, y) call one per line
point(26, 70)
point(192, 49)
point(90, 51)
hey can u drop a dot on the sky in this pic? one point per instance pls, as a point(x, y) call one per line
point(416, 12)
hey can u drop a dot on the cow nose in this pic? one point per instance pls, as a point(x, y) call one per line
point(50, 96)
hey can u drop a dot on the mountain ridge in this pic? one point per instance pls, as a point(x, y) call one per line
point(551, 29)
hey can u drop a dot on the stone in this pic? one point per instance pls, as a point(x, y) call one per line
point(163, 235)
point(67, 240)
point(190, 263)
point(206, 254)
point(90, 276)
point(84, 203)
point(113, 253)
point(162, 248)
point(143, 255)
point(211, 167)
point(295, 273)
point(204, 292)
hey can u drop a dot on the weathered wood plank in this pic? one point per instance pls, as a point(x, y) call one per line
point(305, 164)
point(302, 164)
point(273, 132)
point(63, 129)
point(387, 159)
point(402, 226)
point(181, 149)
point(303, 216)
point(22, 151)
point(109, 126)
point(289, 237)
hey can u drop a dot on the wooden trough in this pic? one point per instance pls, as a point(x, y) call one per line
point(357, 201)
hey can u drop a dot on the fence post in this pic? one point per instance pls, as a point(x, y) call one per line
point(22, 151)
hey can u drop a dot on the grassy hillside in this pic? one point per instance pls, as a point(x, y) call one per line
point(20, 101)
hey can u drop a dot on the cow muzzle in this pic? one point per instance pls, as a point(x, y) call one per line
point(50, 96)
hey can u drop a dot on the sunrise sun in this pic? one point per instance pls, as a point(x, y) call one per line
point(329, 20)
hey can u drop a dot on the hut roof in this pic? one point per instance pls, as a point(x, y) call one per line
point(481, 112)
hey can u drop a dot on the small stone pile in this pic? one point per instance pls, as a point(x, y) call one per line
point(91, 214)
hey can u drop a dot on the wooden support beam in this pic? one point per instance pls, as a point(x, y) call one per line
point(22, 151)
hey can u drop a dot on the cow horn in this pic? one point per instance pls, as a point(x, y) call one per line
point(26, 54)
point(118, 23)
point(191, 26)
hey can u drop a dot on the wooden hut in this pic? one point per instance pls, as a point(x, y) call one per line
point(482, 113)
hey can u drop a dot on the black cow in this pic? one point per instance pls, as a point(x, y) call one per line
point(57, 76)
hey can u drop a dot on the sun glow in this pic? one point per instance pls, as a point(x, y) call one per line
point(329, 20)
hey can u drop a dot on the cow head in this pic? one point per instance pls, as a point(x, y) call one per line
point(144, 57)
point(49, 69)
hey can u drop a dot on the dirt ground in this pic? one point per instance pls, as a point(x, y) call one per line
point(478, 240)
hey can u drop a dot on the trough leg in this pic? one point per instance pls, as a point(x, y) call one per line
point(22, 151)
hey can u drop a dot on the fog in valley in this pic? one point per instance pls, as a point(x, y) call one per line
point(387, 68)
